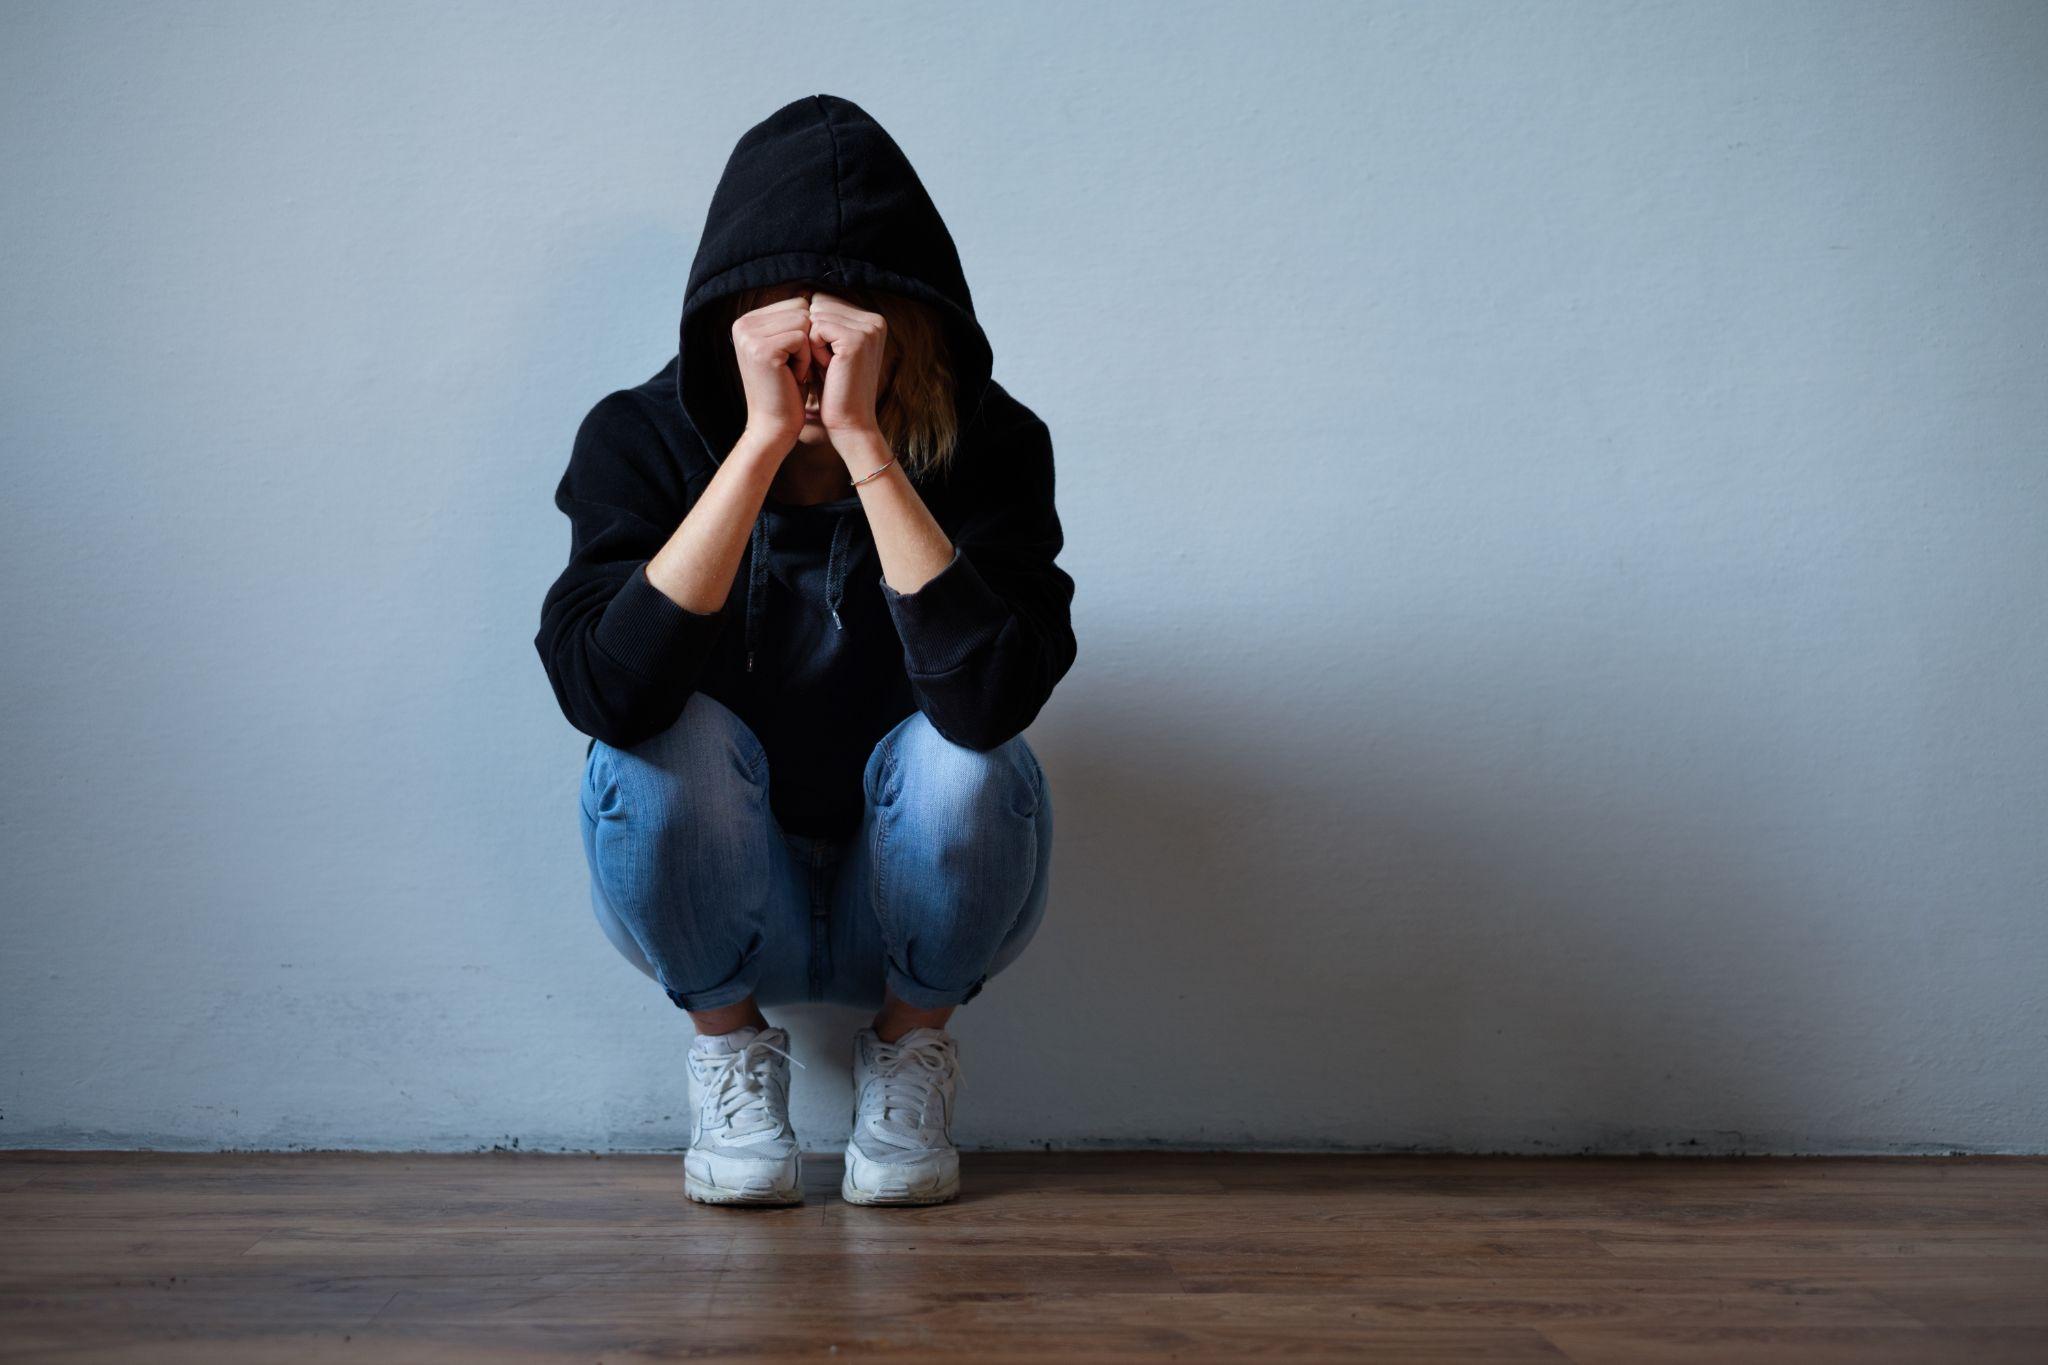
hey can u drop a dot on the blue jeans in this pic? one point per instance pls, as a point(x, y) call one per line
point(695, 882)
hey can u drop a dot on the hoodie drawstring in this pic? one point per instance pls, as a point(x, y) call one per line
point(757, 575)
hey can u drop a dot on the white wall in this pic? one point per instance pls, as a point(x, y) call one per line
point(1558, 494)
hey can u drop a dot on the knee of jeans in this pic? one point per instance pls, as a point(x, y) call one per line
point(915, 762)
point(706, 760)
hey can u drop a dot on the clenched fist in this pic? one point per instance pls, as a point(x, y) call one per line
point(811, 358)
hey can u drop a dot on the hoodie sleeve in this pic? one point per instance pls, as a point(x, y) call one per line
point(987, 638)
point(623, 657)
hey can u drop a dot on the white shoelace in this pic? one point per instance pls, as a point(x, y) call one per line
point(741, 1087)
point(907, 1078)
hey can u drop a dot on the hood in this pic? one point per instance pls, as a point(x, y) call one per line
point(819, 191)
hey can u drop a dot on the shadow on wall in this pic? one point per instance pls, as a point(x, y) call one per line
point(1387, 940)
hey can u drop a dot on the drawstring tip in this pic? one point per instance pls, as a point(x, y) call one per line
point(835, 620)
point(750, 661)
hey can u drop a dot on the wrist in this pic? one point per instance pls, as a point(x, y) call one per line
point(861, 449)
point(755, 445)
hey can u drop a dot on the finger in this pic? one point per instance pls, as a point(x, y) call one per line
point(852, 329)
point(794, 303)
point(799, 354)
point(791, 346)
point(844, 315)
point(787, 341)
point(820, 346)
point(774, 317)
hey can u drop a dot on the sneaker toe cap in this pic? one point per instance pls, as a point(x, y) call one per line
point(750, 1174)
point(895, 1173)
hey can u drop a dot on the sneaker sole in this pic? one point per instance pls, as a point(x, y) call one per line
point(853, 1194)
point(705, 1193)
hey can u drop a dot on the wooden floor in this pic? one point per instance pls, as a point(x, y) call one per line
point(155, 1257)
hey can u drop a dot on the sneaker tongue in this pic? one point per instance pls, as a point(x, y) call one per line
point(917, 1035)
point(726, 1042)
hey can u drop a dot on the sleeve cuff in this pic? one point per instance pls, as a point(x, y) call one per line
point(951, 615)
point(649, 633)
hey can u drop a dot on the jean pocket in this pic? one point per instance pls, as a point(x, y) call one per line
point(1035, 791)
point(600, 796)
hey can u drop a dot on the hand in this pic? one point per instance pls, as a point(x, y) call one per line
point(773, 346)
point(849, 345)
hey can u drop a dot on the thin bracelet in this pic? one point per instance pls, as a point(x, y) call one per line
point(872, 472)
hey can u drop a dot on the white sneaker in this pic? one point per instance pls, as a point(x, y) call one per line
point(742, 1148)
point(901, 1150)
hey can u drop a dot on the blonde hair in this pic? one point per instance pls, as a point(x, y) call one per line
point(914, 403)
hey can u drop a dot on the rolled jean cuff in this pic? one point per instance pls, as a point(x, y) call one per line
point(731, 993)
point(923, 997)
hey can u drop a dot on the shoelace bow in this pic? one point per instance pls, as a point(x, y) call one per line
point(907, 1075)
point(741, 1087)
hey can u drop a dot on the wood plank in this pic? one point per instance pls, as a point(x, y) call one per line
point(1111, 1256)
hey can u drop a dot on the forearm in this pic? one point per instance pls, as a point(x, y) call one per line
point(696, 567)
point(911, 545)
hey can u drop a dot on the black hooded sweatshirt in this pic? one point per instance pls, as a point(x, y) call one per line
point(826, 657)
